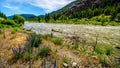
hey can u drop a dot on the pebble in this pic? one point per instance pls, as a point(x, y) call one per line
point(65, 64)
point(74, 64)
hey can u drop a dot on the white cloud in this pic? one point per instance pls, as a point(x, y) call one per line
point(47, 5)
point(11, 7)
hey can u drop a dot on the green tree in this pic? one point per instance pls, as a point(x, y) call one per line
point(18, 19)
point(118, 17)
point(55, 17)
point(39, 19)
point(113, 14)
point(47, 17)
point(3, 15)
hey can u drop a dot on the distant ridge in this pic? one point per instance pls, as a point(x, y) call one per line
point(25, 16)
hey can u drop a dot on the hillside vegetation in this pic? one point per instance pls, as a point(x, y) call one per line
point(97, 12)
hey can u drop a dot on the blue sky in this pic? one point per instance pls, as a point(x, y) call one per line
point(37, 7)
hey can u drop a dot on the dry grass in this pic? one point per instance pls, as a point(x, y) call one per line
point(7, 43)
point(83, 59)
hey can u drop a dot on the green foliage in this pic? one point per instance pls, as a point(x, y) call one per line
point(99, 49)
point(9, 22)
point(27, 57)
point(76, 46)
point(57, 41)
point(68, 46)
point(83, 49)
point(19, 55)
point(118, 17)
point(44, 51)
point(47, 17)
point(34, 40)
point(18, 19)
point(65, 59)
point(103, 50)
point(108, 50)
point(3, 15)
point(103, 61)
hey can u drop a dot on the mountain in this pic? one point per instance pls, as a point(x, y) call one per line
point(64, 8)
point(83, 5)
point(41, 16)
point(25, 16)
point(28, 15)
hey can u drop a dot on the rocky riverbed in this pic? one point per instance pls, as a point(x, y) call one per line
point(106, 34)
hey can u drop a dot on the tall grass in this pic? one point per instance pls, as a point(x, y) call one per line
point(44, 51)
point(33, 40)
point(57, 41)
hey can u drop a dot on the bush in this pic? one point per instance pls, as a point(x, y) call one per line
point(44, 51)
point(8, 22)
point(18, 19)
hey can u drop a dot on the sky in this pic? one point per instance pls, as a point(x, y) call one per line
point(36, 7)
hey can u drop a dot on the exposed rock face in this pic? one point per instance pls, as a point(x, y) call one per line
point(83, 4)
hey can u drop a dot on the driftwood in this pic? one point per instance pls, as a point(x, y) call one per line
point(56, 31)
point(117, 47)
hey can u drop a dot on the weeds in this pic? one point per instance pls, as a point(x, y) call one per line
point(26, 52)
point(103, 61)
point(12, 37)
point(57, 41)
point(68, 46)
point(99, 50)
point(65, 60)
point(108, 50)
point(18, 52)
point(28, 57)
point(44, 51)
point(34, 40)
point(76, 46)
point(83, 49)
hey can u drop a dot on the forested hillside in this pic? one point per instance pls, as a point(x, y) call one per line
point(98, 12)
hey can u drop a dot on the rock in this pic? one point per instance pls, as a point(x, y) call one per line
point(74, 64)
point(65, 64)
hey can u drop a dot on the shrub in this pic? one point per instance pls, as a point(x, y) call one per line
point(18, 19)
point(44, 51)
point(8, 22)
